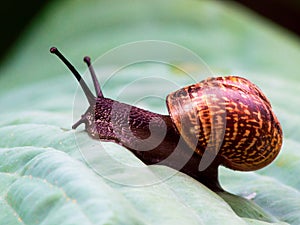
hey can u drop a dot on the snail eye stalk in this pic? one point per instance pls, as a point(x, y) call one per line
point(90, 97)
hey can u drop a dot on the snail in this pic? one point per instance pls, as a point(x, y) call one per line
point(226, 120)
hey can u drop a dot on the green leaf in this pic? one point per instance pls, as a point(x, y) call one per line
point(50, 174)
point(46, 186)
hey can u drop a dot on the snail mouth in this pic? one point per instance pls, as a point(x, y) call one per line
point(90, 127)
point(85, 118)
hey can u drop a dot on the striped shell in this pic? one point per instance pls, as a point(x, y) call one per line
point(230, 118)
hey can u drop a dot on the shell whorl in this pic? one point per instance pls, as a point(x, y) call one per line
point(229, 117)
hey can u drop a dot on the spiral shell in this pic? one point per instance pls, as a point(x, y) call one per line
point(231, 118)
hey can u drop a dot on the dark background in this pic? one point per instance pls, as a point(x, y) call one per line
point(15, 15)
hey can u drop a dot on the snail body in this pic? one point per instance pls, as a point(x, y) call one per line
point(227, 120)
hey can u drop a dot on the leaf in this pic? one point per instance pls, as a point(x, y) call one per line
point(50, 174)
point(49, 187)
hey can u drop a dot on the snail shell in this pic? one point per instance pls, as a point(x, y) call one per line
point(231, 118)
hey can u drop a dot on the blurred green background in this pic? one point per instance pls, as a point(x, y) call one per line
point(16, 17)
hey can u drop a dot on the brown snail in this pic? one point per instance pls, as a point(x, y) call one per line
point(226, 120)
